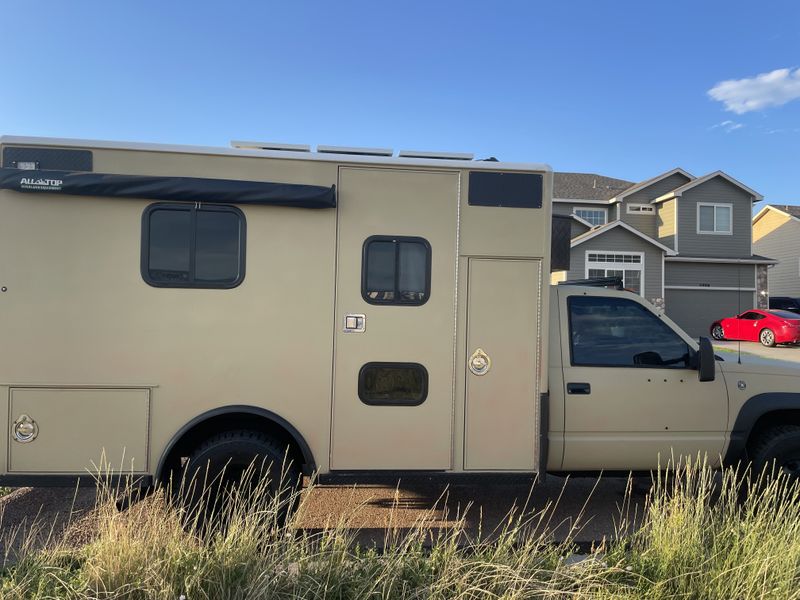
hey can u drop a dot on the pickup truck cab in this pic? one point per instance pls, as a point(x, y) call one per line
point(625, 391)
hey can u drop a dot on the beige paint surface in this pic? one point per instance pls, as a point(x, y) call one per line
point(395, 203)
point(98, 431)
point(502, 405)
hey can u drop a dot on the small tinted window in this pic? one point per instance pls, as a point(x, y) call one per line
point(393, 384)
point(396, 270)
point(751, 316)
point(618, 332)
point(183, 246)
point(502, 189)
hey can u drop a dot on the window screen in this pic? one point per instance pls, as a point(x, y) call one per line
point(617, 332)
point(183, 246)
point(396, 270)
point(393, 384)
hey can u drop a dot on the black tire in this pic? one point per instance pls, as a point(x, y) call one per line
point(778, 448)
point(224, 460)
point(717, 332)
point(767, 338)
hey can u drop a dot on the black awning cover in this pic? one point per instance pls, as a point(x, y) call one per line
point(187, 189)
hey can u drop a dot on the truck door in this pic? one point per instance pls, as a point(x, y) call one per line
point(395, 319)
point(632, 401)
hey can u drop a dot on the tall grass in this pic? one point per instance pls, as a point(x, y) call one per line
point(699, 537)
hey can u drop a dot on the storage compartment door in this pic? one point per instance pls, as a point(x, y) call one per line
point(503, 347)
point(78, 430)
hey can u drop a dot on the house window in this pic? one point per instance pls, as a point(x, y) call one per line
point(188, 247)
point(393, 384)
point(714, 218)
point(594, 216)
point(636, 209)
point(396, 270)
point(626, 265)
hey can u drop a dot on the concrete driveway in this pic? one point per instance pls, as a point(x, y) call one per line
point(755, 353)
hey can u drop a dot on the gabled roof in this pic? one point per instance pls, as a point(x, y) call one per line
point(581, 221)
point(651, 181)
point(587, 186)
point(701, 180)
point(784, 209)
point(600, 230)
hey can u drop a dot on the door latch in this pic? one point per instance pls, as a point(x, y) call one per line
point(25, 429)
point(479, 362)
point(355, 323)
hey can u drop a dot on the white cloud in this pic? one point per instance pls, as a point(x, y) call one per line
point(727, 126)
point(756, 93)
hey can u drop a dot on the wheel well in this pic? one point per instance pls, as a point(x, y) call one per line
point(772, 419)
point(207, 425)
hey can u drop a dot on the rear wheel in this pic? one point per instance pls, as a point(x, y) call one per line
point(717, 332)
point(233, 464)
point(767, 337)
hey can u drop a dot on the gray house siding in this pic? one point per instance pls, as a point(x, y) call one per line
point(716, 190)
point(665, 223)
point(648, 223)
point(695, 310)
point(709, 275)
point(620, 240)
point(778, 236)
point(659, 188)
point(577, 229)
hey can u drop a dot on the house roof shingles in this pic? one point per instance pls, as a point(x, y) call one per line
point(788, 208)
point(587, 186)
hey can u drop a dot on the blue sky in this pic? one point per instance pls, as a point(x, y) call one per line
point(618, 88)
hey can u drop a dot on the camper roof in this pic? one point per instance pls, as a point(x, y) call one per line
point(473, 165)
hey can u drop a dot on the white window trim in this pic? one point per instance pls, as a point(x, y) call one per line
point(615, 266)
point(714, 204)
point(651, 210)
point(604, 210)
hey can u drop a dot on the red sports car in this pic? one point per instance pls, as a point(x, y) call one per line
point(769, 327)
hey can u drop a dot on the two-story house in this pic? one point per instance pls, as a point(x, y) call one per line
point(683, 242)
point(776, 233)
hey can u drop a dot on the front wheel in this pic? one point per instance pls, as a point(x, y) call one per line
point(767, 337)
point(717, 332)
point(778, 448)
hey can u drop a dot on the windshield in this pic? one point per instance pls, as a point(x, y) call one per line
point(785, 314)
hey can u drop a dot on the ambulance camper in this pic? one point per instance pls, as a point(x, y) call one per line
point(164, 308)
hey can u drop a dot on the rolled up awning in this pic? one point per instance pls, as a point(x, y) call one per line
point(184, 189)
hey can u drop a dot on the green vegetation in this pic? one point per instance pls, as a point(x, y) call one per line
point(699, 538)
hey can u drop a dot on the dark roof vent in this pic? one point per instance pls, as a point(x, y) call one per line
point(436, 155)
point(279, 146)
point(356, 151)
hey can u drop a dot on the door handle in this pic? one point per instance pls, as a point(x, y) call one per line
point(579, 388)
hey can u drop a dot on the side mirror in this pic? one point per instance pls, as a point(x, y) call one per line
point(706, 362)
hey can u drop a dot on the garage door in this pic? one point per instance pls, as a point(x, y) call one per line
point(696, 310)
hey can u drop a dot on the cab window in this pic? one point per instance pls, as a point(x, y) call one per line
point(606, 331)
